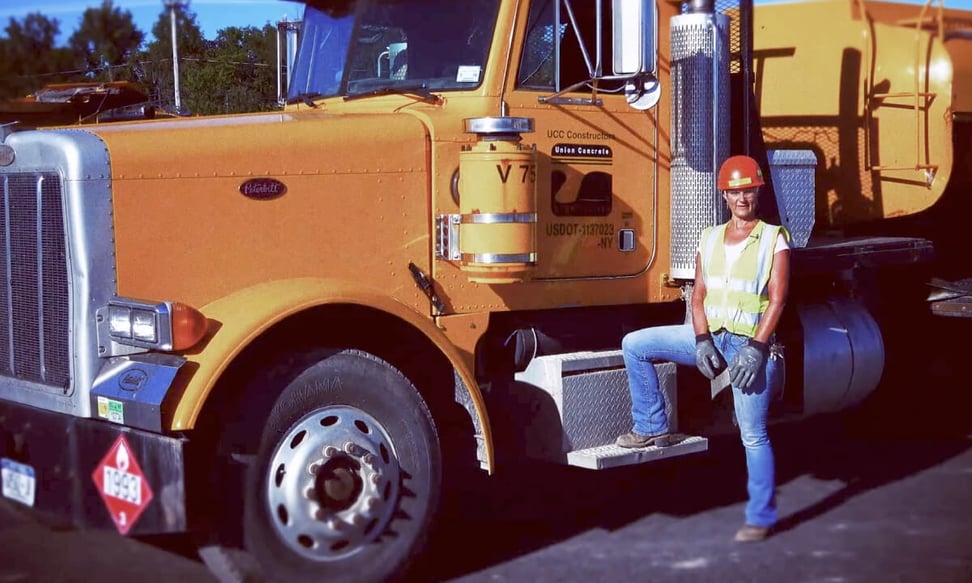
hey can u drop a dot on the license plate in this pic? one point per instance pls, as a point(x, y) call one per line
point(19, 481)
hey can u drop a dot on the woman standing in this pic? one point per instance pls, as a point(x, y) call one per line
point(742, 274)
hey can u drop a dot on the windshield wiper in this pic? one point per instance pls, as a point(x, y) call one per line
point(421, 91)
point(305, 98)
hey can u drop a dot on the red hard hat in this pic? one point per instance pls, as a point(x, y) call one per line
point(740, 173)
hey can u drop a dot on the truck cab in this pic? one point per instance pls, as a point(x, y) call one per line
point(296, 333)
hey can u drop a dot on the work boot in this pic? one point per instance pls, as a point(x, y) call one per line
point(633, 439)
point(752, 534)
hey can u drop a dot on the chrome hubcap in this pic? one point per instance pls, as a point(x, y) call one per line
point(332, 483)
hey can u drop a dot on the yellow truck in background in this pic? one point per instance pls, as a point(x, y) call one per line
point(293, 333)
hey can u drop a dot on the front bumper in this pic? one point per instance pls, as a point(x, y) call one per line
point(96, 474)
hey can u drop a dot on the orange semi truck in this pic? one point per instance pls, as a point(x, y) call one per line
point(292, 333)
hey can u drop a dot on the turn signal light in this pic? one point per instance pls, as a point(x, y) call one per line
point(188, 326)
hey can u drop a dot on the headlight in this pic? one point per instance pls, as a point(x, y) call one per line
point(132, 323)
point(160, 326)
point(144, 326)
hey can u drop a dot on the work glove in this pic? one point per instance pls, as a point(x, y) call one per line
point(747, 363)
point(708, 359)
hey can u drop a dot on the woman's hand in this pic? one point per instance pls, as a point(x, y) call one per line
point(747, 363)
point(708, 359)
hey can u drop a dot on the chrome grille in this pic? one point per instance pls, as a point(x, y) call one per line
point(34, 284)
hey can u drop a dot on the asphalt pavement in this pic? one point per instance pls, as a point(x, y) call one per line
point(880, 494)
point(852, 508)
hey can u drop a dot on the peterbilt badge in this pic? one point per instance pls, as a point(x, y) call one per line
point(7, 155)
point(263, 188)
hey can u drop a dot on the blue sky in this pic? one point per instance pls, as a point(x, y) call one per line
point(211, 15)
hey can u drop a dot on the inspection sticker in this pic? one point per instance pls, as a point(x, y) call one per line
point(19, 481)
point(111, 409)
point(122, 485)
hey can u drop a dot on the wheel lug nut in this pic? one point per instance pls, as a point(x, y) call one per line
point(314, 467)
point(375, 478)
point(330, 451)
point(334, 524)
point(370, 503)
point(357, 519)
point(353, 449)
point(309, 493)
point(369, 460)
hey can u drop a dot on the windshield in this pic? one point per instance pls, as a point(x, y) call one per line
point(350, 47)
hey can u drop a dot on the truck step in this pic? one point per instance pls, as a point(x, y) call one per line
point(612, 456)
point(587, 405)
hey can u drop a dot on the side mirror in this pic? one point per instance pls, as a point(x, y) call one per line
point(635, 40)
point(635, 36)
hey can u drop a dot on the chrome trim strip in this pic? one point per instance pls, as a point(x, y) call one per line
point(39, 235)
point(497, 218)
point(198, 122)
point(9, 281)
point(499, 258)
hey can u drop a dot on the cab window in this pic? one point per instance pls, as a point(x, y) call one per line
point(576, 36)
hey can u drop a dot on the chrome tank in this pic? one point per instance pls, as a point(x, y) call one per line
point(843, 355)
point(700, 131)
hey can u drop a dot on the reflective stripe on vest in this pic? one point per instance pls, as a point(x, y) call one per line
point(736, 300)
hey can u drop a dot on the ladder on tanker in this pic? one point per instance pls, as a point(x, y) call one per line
point(920, 100)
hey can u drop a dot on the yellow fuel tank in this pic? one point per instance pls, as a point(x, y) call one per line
point(498, 210)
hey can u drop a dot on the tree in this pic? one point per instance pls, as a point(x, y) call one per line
point(233, 73)
point(28, 56)
point(106, 40)
point(237, 74)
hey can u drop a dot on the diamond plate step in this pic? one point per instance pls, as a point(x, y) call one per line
point(612, 456)
point(590, 396)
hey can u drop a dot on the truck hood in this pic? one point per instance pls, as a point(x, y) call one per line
point(206, 207)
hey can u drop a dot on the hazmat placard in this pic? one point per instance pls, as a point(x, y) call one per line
point(122, 485)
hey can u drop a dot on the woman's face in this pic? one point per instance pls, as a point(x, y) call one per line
point(742, 203)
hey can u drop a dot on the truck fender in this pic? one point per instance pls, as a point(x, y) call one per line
point(244, 315)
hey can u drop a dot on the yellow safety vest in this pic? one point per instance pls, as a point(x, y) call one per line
point(735, 300)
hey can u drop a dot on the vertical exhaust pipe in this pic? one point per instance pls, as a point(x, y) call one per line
point(700, 128)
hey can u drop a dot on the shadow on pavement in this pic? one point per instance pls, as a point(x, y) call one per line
point(916, 420)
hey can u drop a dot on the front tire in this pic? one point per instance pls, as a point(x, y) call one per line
point(347, 477)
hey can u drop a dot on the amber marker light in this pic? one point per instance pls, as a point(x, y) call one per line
point(188, 326)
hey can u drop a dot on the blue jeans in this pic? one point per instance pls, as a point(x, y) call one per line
point(677, 344)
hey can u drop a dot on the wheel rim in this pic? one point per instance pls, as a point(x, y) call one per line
point(332, 483)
